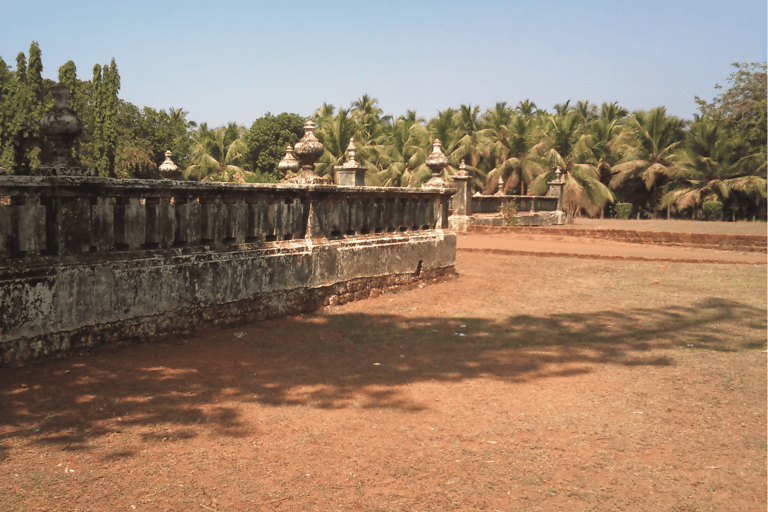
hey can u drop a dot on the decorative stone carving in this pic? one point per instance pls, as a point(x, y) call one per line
point(62, 126)
point(437, 161)
point(462, 201)
point(500, 183)
point(556, 188)
point(351, 174)
point(309, 150)
point(168, 168)
point(288, 165)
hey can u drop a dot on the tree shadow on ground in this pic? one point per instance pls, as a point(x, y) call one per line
point(177, 388)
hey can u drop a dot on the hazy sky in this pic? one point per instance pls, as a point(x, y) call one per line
point(237, 60)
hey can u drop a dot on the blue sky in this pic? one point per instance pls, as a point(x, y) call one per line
point(237, 60)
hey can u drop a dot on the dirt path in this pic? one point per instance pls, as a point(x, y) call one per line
point(525, 383)
point(556, 244)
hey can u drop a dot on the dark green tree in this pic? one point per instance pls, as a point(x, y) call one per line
point(267, 139)
point(104, 118)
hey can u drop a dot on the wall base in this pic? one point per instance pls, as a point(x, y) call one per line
point(52, 307)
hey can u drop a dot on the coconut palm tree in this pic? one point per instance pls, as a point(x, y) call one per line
point(367, 116)
point(334, 132)
point(649, 145)
point(509, 151)
point(712, 168)
point(612, 111)
point(501, 115)
point(566, 144)
point(219, 154)
point(401, 158)
point(527, 108)
point(586, 111)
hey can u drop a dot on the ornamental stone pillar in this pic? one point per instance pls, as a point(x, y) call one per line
point(351, 174)
point(462, 201)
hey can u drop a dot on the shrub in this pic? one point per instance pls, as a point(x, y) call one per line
point(623, 210)
point(713, 210)
point(509, 213)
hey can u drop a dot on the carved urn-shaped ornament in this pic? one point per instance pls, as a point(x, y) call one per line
point(62, 126)
point(288, 165)
point(168, 168)
point(437, 161)
point(309, 150)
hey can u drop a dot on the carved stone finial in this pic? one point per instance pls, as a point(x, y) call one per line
point(288, 163)
point(309, 150)
point(462, 170)
point(352, 151)
point(351, 173)
point(558, 173)
point(62, 126)
point(437, 161)
point(500, 192)
point(168, 168)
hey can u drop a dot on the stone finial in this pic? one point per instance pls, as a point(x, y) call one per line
point(500, 192)
point(168, 168)
point(309, 150)
point(462, 170)
point(288, 164)
point(62, 126)
point(437, 161)
point(351, 173)
point(558, 173)
point(352, 151)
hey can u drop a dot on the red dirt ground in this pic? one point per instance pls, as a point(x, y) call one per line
point(554, 373)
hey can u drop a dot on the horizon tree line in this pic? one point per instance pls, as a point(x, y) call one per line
point(662, 165)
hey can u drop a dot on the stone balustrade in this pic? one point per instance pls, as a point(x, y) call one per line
point(493, 204)
point(59, 216)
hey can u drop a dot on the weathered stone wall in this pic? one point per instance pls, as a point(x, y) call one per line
point(87, 261)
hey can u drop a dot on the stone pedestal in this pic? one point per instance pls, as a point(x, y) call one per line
point(462, 201)
point(351, 174)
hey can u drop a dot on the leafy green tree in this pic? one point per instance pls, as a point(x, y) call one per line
point(24, 104)
point(267, 139)
point(104, 118)
point(6, 96)
point(743, 106)
point(166, 130)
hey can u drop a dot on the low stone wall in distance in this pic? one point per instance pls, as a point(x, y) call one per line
point(85, 261)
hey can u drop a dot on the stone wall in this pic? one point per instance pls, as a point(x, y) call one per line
point(90, 260)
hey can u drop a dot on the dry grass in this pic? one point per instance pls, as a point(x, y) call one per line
point(576, 385)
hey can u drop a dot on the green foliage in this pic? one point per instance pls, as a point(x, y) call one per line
point(623, 210)
point(509, 213)
point(104, 118)
point(24, 99)
point(713, 210)
point(219, 154)
point(267, 139)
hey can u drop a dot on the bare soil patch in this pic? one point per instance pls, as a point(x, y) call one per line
point(526, 383)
